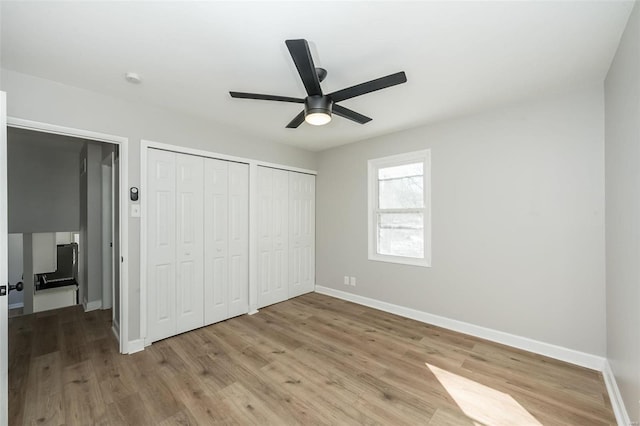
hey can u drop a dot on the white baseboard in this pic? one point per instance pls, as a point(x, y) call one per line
point(553, 351)
point(614, 395)
point(16, 305)
point(91, 306)
point(255, 311)
point(116, 331)
point(135, 346)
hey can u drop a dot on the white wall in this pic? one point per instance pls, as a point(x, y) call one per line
point(42, 181)
point(518, 221)
point(622, 177)
point(41, 100)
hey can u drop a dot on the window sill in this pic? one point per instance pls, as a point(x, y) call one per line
point(425, 263)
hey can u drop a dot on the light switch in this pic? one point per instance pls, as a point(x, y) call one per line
point(135, 210)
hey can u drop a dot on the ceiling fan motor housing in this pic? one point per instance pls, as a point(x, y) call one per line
point(318, 105)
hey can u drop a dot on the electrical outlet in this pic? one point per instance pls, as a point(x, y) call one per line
point(352, 281)
point(346, 280)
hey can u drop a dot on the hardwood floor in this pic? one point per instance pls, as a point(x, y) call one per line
point(15, 312)
point(310, 360)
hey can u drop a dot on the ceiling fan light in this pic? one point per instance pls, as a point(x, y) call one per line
point(318, 118)
point(317, 110)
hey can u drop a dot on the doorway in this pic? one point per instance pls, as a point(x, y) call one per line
point(111, 154)
point(57, 188)
point(116, 148)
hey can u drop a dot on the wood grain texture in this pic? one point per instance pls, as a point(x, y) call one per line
point(310, 360)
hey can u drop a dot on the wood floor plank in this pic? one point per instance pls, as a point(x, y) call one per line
point(128, 411)
point(249, 409)
point(204, 406)
point(20, 345)
point(43, 399)
point(310, 360)
point(282, 401)
point(82, 397)
point(183, 417)
point(447, 417)
point(332, 410)
point(48, 335)
point(157, 395)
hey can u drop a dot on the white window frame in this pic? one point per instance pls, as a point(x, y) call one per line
point(374, 165)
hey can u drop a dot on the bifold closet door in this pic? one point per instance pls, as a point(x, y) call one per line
point(216, 240)
point(238, 239)
point(189, 242)
point(175, 244)
point(226, 240)
point(273, 240)
point(161, 245)
point(302, 229)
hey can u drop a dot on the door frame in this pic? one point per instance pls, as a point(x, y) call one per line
point(145, 145)
point(4, 300)
point(108, 267)
point(123, 152)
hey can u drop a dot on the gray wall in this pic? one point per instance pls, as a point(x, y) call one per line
point(518, 221)
point(27, 265)
point(90, 188)
point(622, 177)
point(46, 101)
point(42, 182)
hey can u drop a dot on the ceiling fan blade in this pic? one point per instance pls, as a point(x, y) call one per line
point(298, 120)
point(243, 95)
point(299, 50)
point(350, 114)
point(369, 86)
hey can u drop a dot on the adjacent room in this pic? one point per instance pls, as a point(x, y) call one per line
point(320, 212)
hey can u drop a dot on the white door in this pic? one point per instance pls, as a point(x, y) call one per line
point(226, 240)
point(273, 208)
point(216, 242)
point(302, 231)
point(189, 242)
point(238, 239)
point(4, 340)
point(161, 251)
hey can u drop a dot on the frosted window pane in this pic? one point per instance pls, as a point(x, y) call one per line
point(401, 187)
point(401, 234)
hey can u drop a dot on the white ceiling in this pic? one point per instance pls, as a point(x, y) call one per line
point(458, 56)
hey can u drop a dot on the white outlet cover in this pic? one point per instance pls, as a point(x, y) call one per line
point(353, 281)
point(346, 280)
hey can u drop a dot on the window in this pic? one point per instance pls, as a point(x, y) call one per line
point(399, 209)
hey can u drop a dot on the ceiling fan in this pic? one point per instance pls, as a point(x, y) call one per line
point(318, 107)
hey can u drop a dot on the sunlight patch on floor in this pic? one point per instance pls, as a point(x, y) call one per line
point(482, 403)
